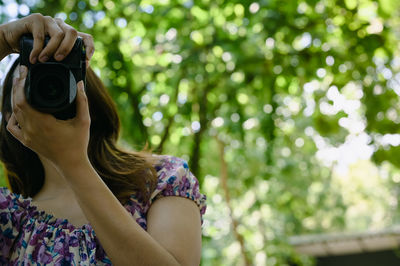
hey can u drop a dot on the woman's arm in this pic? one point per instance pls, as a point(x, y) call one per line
point(124, 241)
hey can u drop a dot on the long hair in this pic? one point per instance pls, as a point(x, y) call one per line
point(124, 172)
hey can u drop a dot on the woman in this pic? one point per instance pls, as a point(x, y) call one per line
point(76, 197)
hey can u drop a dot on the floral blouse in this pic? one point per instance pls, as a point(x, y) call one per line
point(32, 237)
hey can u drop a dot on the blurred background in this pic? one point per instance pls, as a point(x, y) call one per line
point(286, 111)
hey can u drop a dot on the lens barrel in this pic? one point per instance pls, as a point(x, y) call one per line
point(50, 86)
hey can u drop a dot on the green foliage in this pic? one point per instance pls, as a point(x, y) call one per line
point(278, 82)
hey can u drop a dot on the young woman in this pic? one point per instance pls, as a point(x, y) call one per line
point(74, 197)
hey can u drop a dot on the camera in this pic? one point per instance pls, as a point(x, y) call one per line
point(51, 87)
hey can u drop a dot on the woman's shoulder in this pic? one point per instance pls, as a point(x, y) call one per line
point(176, 179)
point(173, 171)
point(169, 162)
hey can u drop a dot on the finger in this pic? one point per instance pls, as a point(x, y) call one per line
point(13, 90)
point(89, 44)
point(38, 32)
point(18, 94)
point(13, 128)
point(56, 37)
point(68, 42)
point(19, 101)
point(15, 80)
point(82, 106)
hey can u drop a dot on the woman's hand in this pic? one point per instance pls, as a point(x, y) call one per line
point(63, 142)
point(62, 37)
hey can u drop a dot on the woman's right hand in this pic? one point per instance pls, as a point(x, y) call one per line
point(62, 37)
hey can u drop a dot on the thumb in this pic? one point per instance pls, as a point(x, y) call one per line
point(82, 106)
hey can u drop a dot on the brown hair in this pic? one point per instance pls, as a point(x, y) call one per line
point(124, 172)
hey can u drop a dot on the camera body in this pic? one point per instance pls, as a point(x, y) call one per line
point(51, 87)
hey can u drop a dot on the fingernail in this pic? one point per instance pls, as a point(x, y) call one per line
point(34, 60)
point(59, 57)
point(80, 86)
point(22, 71)
point(44, 58)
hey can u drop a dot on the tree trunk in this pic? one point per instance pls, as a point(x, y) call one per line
point(224, 183)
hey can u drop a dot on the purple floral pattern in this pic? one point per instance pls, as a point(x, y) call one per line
point(29, 236)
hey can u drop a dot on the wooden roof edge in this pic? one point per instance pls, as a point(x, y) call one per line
point(309, 239)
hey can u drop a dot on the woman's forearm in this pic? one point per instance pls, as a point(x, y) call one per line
point(124, 241)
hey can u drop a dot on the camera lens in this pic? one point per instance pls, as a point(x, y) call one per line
point(50, 88)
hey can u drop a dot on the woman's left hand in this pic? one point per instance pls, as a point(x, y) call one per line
point(63, 142)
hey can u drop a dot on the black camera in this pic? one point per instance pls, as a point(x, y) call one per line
point(50, 87)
